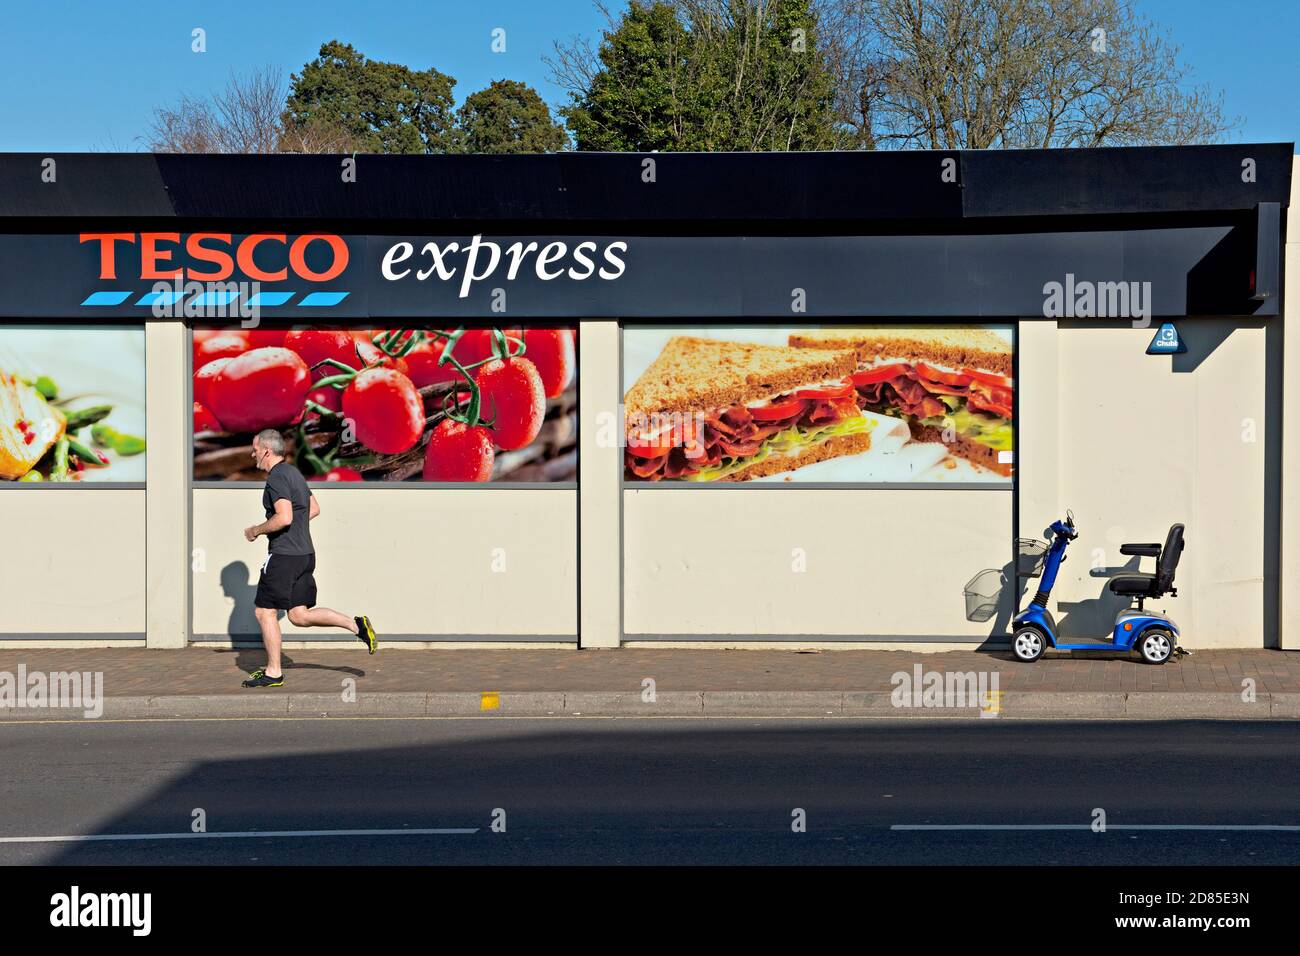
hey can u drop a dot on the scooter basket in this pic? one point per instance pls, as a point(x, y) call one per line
point(1030, 555)
point(983, 592)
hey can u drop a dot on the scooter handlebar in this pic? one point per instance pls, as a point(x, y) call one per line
point(1065, 529)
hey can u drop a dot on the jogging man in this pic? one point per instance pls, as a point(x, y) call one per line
point(286, 583)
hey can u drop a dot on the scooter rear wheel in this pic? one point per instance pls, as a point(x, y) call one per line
point(1028, 644)
point(1156, 645)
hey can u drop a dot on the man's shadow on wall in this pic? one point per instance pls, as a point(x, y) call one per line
point(238, 585)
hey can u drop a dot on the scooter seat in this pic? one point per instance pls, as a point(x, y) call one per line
point(1137, 583)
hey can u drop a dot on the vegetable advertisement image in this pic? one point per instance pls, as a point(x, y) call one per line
point(72, 405)
point(398, 404)
point(877, 404)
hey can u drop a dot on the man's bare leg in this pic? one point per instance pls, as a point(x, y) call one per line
point(268, 618)
point(302, 616)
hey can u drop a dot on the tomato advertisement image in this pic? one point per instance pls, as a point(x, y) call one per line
point(924, 405)
point(72, 405)
point(434, 405)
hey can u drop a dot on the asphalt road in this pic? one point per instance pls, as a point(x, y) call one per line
point(650, 791)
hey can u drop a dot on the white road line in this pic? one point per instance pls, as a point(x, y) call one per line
point(239, 835)
point(1087, 826)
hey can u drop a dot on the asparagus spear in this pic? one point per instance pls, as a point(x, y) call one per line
point(60, 470)
point(87, 416)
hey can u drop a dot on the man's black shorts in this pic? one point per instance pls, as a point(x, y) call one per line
point(287, 582)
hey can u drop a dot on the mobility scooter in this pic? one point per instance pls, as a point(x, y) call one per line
point(1153, 634)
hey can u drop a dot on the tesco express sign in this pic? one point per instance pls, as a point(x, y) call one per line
point(215, 257)
point(479, 259)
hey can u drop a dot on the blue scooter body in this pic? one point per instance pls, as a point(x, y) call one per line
point(1129, 626)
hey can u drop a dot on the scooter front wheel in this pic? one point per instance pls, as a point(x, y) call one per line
point(1028, 644)
point(1156, 646)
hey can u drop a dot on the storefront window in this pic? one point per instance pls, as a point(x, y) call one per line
point(882, 404)
point(72, 405)
point(433, 405)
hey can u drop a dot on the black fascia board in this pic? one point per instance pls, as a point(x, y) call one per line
point(882, 191)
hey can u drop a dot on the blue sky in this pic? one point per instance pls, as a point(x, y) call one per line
point(86, 74)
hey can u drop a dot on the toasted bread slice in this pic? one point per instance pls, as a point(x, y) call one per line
point(953, 346)
point(20, 402)
point(698, 375)
point(960, 447)
point(831, 448)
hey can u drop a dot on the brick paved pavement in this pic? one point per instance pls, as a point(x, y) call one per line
point(136, 671)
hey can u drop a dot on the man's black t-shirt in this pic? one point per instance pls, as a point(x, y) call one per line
point(286, 481)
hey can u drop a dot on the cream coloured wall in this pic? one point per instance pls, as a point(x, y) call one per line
point(74, 562)
point(1144, 441)
point(1289, 570)
point(600, 469)
point(167, 358)
point(474, 564)
point(815, 562)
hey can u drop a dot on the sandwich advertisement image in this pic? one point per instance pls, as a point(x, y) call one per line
point(435, 405)
point(878, 404)
point(72, 405)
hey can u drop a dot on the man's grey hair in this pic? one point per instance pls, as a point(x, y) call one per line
point(271, 440)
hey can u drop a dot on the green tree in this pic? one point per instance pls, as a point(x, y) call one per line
point(704, 75)
point(380, 107)
point(508, 117)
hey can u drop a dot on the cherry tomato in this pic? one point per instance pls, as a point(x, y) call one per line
point(777, 411)
point(458, 452)
point(551, 350)
point(475, 345)
point(263, 388)
point(225, 345)
point(204, 378)
point(881, 373)
point(512, 394)
point(423, 367)
point(317, 345)
point(338, 474)
point(955, 379)
point(204, 420)
point(385, 409)
point(267, 338)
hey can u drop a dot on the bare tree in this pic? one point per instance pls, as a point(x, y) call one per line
point(246, 116)
point(574, 64)
point(315, 138)
point(974, 74)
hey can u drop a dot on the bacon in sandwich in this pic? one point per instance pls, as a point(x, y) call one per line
point(707, 410)
point(951, 384)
